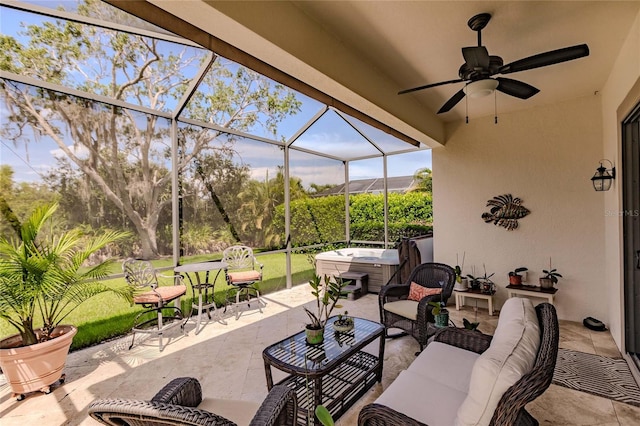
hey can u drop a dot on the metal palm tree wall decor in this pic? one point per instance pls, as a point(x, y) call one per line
point(505, 211)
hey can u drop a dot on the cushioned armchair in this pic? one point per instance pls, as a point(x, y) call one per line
point(178, 404)
point(405, 306)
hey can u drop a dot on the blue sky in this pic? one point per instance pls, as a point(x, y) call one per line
point(330, 134)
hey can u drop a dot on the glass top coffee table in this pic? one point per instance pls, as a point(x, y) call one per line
point(334, 373)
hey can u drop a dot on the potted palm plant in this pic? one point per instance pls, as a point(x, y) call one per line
point(327, 294)
point(43, 277)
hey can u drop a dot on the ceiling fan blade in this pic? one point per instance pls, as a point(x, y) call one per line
point(452, 102)
point(516, 88)
point(427, 86)
point(476, 57)
point(547, 58)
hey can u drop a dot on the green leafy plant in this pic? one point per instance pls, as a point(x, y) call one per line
point(516, 272)
point(324, 416)
point(327, 294)
point(551, 273)
point(44, 273)
point(438, 307)
point(344, 320)
point(470, 325)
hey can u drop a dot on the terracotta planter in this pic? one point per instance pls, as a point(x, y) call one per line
point(36, 367)
point(515, 279)
point(315, 336)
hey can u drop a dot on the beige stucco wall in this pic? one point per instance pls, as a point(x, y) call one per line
point(546, 156)
point(619, 95)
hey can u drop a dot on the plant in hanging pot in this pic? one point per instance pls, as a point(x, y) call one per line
point(327, 294)
point(550, 277)
point(514, 276)
point(43, 277)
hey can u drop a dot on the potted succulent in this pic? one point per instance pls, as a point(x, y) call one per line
point(327, 294)
point(440, 313)
point(550, 277)
point(344, 323)
point(514, 276)
point(43, 277)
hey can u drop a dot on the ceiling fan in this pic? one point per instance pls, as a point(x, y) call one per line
point(480, 67)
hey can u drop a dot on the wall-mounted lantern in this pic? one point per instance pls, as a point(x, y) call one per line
point(603, 177)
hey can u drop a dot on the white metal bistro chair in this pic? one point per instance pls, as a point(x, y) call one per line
point(142, 276)
point(243, 274)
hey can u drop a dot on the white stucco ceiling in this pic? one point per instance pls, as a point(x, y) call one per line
point(364, 52)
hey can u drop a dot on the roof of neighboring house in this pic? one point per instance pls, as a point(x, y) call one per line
point(372, 186)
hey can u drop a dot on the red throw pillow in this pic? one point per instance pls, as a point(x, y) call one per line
point(417, 292)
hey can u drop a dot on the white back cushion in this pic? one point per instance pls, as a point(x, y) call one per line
point(511, 354)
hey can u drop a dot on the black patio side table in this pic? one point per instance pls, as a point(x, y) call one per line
point(334, 373)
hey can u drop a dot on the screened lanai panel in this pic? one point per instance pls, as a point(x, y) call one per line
point(229, 188)
point(98, 9)
point(332, 135)
point(387, 143)
point(109, 167)
point(366, 201)
point(136, 69)
point(234, 97)
point(315, 218)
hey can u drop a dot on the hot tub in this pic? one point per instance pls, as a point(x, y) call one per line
point(379, 264)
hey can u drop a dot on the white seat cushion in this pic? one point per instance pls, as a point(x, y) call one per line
point(430, 403)
point(239, 412)
point(511, 354)
point(405, 308)
point(445, 364)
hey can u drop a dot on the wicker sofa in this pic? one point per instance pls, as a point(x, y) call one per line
point(180, 402)
point(465, 377)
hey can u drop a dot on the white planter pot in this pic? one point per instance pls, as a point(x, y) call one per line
point(36, 367)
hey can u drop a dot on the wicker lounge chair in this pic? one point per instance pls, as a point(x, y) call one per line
point(176, 404)
point(414, 317)
point(510, 410)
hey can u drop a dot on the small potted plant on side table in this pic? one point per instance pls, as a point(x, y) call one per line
point(514, 276)
point(550, 277)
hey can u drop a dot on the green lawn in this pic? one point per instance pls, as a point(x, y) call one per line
point(107, 316)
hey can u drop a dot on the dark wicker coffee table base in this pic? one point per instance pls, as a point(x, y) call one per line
point(341, 388)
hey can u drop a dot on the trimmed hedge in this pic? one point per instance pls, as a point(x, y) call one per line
point(319, 220)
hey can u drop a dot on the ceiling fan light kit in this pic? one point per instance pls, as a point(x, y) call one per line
point(480, 88)
point(479, 68)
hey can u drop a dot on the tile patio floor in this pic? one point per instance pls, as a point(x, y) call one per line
point(227, 360)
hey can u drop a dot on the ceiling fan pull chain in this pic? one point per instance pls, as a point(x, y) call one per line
point(495, 107)
point(466, 109)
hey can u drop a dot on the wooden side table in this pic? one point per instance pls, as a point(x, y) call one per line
point(473, 294)
point(532, 291)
